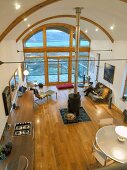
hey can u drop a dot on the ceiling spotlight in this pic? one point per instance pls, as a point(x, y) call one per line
point(28, 25)
point(25, 19)
point(17, 6)
point(96, 29)
point(86, 31)
point(112, 27)
point(31, 30)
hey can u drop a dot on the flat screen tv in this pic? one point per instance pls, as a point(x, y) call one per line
point(7, 100)
point(109, 72)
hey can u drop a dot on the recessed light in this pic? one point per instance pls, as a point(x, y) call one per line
point(28, 25)
point(96, 29)
point(31, 30)
point(112, 27)
point(25, 19)
point(17, 6)
point(86, 31)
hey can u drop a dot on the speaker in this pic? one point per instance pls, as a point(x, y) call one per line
point(7, 100)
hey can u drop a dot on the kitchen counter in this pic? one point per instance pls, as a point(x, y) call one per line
point(21, 145)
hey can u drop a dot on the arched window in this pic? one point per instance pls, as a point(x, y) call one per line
point(83, 41)
point(51, 51)
point(35, 40)
point(57, 37)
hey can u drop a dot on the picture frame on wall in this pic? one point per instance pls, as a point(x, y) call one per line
point(109, 71)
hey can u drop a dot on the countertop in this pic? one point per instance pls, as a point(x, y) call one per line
point(21, 145)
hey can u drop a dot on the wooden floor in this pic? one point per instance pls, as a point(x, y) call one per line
point(67, 147)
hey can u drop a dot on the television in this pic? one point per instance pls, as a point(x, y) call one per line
point(109, 72)
point(7, 100)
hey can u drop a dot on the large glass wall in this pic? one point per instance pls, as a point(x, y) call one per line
point(35, 66)
point(50, 55)
point(57, 37)
point(35, 40)
point(82, 66)
point(83, 41)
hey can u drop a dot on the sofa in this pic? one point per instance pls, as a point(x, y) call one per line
point(100, 93)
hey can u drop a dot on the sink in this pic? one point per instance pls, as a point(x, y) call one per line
point(22, 128)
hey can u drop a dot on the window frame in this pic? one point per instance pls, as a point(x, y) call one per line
point(46, 49)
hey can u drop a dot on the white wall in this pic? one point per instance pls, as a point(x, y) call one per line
point(8, 52)
point(119, 52)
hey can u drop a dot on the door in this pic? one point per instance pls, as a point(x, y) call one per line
point(57, 70)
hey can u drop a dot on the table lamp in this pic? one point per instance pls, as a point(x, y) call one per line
point(121, 131)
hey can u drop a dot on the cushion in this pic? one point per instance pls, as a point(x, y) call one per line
point(100, 91)
point(65, 86)
point(105, 92)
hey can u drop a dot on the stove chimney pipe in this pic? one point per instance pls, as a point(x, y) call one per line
point(78, 12)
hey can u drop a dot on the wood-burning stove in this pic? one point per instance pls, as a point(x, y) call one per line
point(74, 103)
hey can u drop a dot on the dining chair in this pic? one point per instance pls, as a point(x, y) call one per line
point(100, 156)
point(105, 122)
point(39, 96)
point(30, 85)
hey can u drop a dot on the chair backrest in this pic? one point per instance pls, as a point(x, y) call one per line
point(106, 122)
point(40, 85)
point(36, 92)
point(99, 155)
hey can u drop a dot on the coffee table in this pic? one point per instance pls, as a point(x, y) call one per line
point(51, 92)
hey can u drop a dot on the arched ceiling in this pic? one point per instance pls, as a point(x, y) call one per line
point(103, 12)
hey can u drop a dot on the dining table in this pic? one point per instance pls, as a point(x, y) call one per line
point(108, 142)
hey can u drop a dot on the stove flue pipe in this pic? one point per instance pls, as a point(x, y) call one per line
point(78, 12)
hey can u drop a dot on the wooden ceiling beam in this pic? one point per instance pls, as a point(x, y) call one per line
point(69, 16)
point(24, 15)
point(51, 25)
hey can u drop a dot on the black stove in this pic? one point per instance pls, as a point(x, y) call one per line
point(23, 128)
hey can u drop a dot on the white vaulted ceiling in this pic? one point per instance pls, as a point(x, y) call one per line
point(103, 12)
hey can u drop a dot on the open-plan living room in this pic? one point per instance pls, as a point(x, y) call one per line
point(63, 85)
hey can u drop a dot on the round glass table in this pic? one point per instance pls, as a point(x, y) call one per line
point(107, 141)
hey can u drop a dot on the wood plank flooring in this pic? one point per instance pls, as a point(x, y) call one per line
point(67, 147)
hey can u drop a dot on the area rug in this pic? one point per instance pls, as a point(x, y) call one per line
point(83, 116)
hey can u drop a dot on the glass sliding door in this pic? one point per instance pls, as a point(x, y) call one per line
point(53, 66)
point(35, 66)
point(57, 70)
point(63, 70)
point(82, 68)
